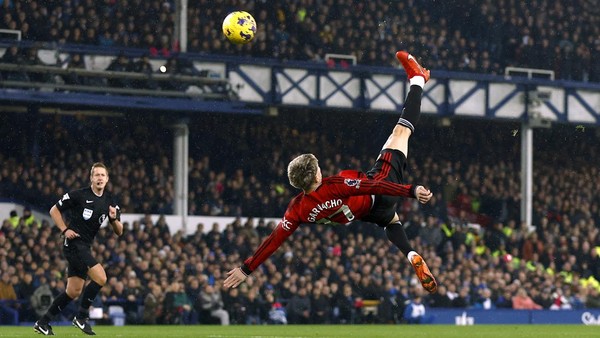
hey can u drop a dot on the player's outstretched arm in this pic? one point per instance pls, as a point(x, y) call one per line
point(350, 187)
point(281, 232)
point(234, 278)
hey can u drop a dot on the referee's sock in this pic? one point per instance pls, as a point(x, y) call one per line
point(89, 294)
point(395, 233)
point(59, 303)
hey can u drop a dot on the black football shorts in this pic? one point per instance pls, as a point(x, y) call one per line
point(390, 166)
point(80, 259)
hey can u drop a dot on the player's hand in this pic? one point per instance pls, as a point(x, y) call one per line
point(423, 194)
point(234, 278)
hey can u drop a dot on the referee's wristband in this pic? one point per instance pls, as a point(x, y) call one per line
point(63, 232)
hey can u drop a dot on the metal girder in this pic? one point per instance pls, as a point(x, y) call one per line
point(446, 94)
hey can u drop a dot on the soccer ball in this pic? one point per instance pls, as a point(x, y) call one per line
point(239, 27)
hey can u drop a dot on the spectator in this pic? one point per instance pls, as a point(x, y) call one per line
point(321, 307)
point(254, 307)
point(522, 301)
point(344, 309)
point(593, 299)
point(24, 290)
point(462, 300)
point(440, 299)
point(212, 304)
point(192, 291)
point(276, 314)
point(120, 64)
point(234, 303)
point(298, 307)
point(177, 306)
point(14, 218)
point(416, 313)
point(31, 58)
point(144, 66)
point(27, 217)
point(152, 305)
point(75, 61)
point(8, 304)
point(485, 300)
point(13, 56)
point(133, 298)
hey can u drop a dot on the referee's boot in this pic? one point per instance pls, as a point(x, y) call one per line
point(411, 66)
point(43, 328)
point(425, 276)
point(83, 325)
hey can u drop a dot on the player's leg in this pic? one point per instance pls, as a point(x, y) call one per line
point(417, 77)
point(98, 280)
point(398, 140)
point(396, 234)
point(73, 290)
point(390, 167)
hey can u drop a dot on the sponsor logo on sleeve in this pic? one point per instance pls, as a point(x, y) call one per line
point(64, 198)
point(352, 182)
point(286, 225)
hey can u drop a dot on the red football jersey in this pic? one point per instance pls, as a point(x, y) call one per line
point(340, 199)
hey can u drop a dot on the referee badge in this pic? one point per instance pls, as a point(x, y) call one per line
point(87, 213)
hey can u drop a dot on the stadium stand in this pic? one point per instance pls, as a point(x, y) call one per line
point(498, 258)
point(557, 36)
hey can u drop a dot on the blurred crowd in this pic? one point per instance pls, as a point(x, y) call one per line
point(470, 233)
point(470, 36)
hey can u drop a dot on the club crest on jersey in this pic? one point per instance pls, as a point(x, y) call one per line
point(87, 213)
point(352, 182)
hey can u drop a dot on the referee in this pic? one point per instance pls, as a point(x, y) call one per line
point(89, 208)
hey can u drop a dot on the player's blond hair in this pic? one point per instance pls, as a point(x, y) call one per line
point(302, 171)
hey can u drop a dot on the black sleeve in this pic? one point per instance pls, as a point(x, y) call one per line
point(68, 200)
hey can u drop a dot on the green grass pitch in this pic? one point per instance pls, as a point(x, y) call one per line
point(297, 331)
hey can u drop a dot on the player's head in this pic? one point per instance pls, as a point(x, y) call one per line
point(99, 175)
point(303, 171)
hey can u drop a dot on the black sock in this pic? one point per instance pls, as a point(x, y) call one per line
point(59, 303)
point(395, 233)
point(412, 106)
point(89, 294)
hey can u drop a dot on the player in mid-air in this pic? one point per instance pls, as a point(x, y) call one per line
point(352, 195)
point(90, 208)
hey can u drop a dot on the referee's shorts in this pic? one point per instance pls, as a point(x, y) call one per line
point(79, 256)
